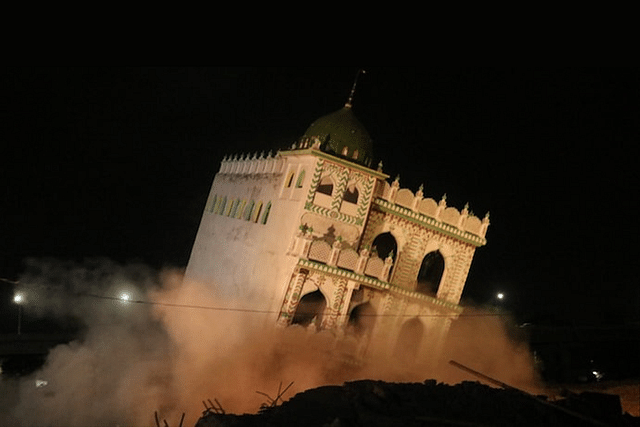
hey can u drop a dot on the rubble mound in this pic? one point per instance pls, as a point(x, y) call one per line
point(381, 404)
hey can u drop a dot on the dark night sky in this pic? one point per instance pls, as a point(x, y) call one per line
point(117, 162)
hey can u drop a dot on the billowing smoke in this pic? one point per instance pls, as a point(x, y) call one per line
point(172, 345)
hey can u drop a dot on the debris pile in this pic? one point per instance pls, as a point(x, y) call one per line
point(381, 404)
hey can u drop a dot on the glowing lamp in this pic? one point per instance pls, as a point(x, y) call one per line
point(18, 298)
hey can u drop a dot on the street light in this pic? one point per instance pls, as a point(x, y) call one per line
point(500, 296)
point(18, 298)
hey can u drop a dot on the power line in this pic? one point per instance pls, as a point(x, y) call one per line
point(249, 310)
point(257, 311)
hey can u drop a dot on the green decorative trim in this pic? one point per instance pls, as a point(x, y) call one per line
point(342, 181)
point(363, 205)
point(315, 180)
point(377, 284)
point(332, 214)
point(430, 223)
point(338, 191)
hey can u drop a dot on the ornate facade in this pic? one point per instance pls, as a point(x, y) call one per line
point(314, 236)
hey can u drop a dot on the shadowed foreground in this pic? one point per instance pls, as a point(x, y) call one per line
point(377, 403)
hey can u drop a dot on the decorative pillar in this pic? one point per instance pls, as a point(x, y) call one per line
point(395, 185)
point(335, 305)
point(388, 263)
point(292, 297)
point(463, 216)
point(307, 239)
point(442, 205)
point(346, 301)
point(362, 261)
point(485, 225)
point(417, 199)
point(335, 251)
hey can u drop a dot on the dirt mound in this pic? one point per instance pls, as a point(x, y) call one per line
point(380, 404)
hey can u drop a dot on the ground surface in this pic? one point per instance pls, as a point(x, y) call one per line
point(377, 403)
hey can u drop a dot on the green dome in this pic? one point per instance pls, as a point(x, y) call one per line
point(340, 133)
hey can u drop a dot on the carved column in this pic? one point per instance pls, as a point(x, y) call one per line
point(335, 252)
point(442, 205)
point(388, 263)
point(463, 217)
point(292, 297)
point(485, 225)
point(335, 305)
point(362, 261)
point(417, 199)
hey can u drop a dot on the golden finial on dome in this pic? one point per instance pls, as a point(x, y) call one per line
point(353, 88)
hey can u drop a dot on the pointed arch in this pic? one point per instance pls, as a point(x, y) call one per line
point(265, 215)
point(362, 319)
point(325, 186)
point(385, 244)
point(430, 274)
point(310, 310)
point(351, 194)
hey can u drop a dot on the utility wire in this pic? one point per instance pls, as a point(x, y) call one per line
point(249, 310)
point(257, 311)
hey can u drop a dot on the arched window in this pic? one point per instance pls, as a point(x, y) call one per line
point(385, 244)
point(234, 208)
point(310, 310)
point(256, 212)
point(351, 194)
point(212, 204)
point(325, 186)
point(221, 205)
point(240, 209)
point(300, 180)
point(289, 180)
point(248, 211)
point(362, 318)
point(230, 207)
point(265, 215)
point(430, 273)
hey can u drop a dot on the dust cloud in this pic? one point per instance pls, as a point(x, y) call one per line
point(173, 345)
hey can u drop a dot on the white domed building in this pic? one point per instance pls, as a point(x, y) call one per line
point(314, 236)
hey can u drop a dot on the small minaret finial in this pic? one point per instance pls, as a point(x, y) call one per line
point(353, 88)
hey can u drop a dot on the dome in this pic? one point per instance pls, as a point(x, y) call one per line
point(342, 134)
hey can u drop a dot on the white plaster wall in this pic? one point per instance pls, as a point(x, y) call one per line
point(245, 263)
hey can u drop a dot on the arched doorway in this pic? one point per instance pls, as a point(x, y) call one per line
point(362, 319)
point(409, 340)
point(310, 310)
point(430, 273)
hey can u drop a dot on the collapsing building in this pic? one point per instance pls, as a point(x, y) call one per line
point(315, 236)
